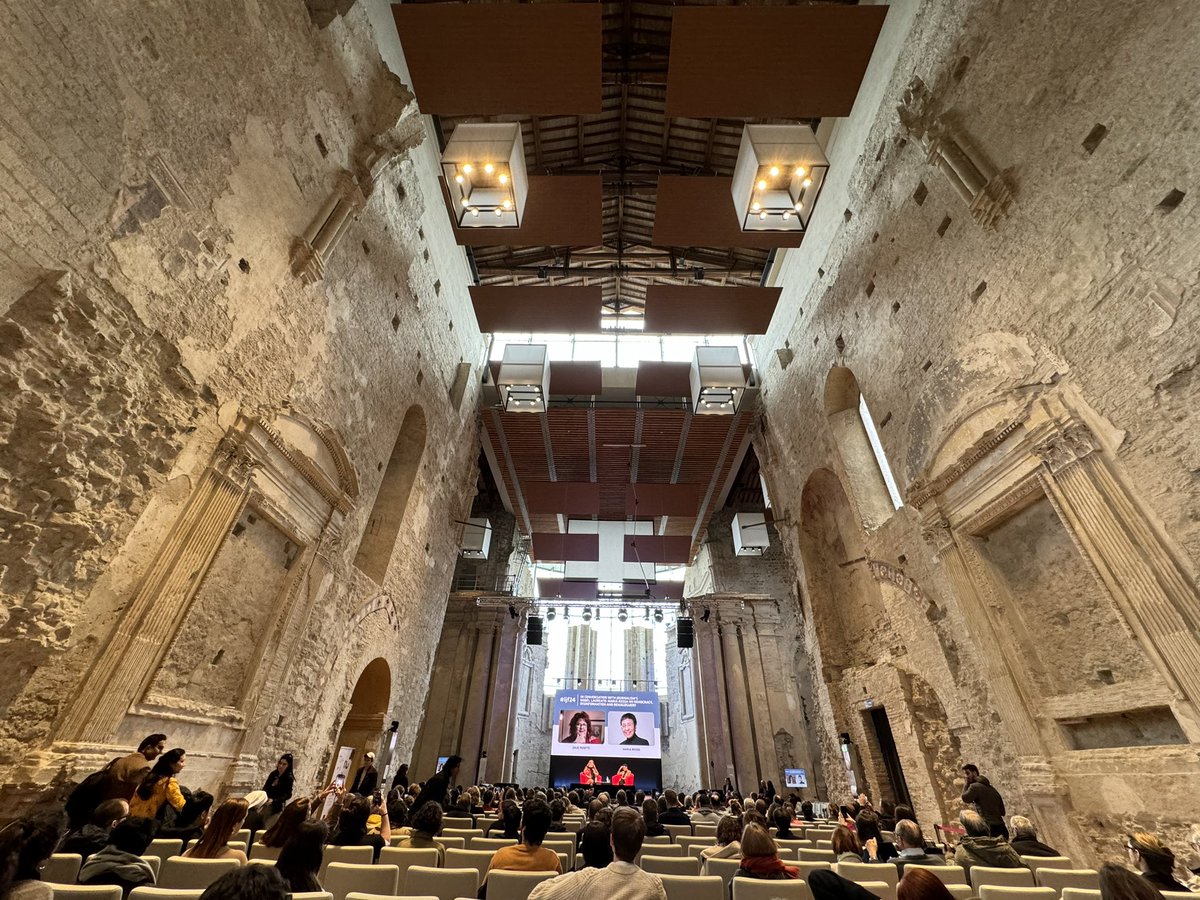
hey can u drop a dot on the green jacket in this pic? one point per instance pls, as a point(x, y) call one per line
point(987, 851)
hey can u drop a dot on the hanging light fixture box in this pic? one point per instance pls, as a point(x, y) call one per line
point(750, 537)
point(778, 176)
point(476, 538)
point(524, 379)
point(718, 381)
point(484, 168)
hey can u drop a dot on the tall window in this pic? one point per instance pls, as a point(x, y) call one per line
point(379, 538)
point(868, 474)
point(881, 459)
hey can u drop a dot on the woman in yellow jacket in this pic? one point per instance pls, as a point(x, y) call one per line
point(159, 786)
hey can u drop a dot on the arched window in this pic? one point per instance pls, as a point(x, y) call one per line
point(379, 538)
point(867, 469)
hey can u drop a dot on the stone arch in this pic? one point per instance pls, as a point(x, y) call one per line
point(846, 606)
point(864, 467)
point(383, 526)
point(366, 719)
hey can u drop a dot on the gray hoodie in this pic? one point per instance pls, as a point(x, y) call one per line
point(113, 866)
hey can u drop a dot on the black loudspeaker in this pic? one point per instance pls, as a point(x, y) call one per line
point(684, 633)
point(533, 633)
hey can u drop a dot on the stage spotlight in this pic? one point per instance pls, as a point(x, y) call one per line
point(512, 611)
point(622, 614)
point(587, 614)
point(550, 614)
point(658, 615)
point(705, 617)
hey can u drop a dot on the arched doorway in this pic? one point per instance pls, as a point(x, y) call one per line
point(365, 722)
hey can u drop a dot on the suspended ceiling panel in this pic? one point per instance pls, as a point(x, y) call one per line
point(709, 309)
point(547, 308)
point(498, 59)
point(643, 500)
point(669, 549)
point(550, 547)
point(698, 211)
point(576, 379)
point(769, 61)
point(571, 498)
point(663, 379)
point(561, 211)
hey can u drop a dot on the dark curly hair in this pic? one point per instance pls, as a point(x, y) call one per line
point(25, 845)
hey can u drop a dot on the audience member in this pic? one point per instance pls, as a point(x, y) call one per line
point(352, 828)
point(214, 843)
point(654, 827)
point(24, 846)
point(760, 856)
point(806, 811)
point(1154, 860)
point(120, 863)
point(783, 823)
point(727, 845)
point(248, 883)
point(979, 847)
point(558, 809)
point(595, 845)
point(910, 846)
point(285, 826)
point(887, 815)
point(1118, 883)
point(300, 859)
point(529, 855)
point(160, 786)
point(1024, 839)
point(401, 778)
point(279, 784)
point(979, 793)
point(866, 826)
point(921, 884)
point(846, 845)
point(705, 814)
point(621, 879)
point(93, 837)
point(825, 884)
point(258, 808)
point(438, 787)
point(128, 772)
point(426, 825)
point(903, 811)
point(188, 822)
point(674, 814)
point(1189, 872)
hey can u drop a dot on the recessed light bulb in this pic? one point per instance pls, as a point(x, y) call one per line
point(467, 168)
point(774, 171)
point(489, 168)
point(787, 214)
point(763, 215)
point(807, 182)
point(799, 207)
point(474, 211)
point(756, 206)
point(762, 184)
point(503, 178)
point(800, 171)
point(458, 178)
point(466, 202)
point(508, 204)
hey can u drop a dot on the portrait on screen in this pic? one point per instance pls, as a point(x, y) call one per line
point(629, 736)
point(581, 727)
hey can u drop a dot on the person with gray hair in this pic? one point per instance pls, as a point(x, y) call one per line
point(910, 844)
point(1025, 840)
point(980, 848)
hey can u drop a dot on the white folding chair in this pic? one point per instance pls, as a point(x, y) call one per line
point(1061, 879)
point(880, 889)
point(242, 835)
point(723, 869)
point(808, 854)
point(62, 868)
point(504, 885)
point(350, 855)
point(677, 830)
point(405, 857)
point(795, 844)
point(947, 874)
point(1074, 893)
point(658, 850)
point(656, 840)
point(154, 863)
point(492, 844)
point(444, 884)
point(164, 848)
point(262, 851)
point(342, 878)
point(312, 895)
point(703, 829)
point(1048, 862)
point(457, 822)
point(862, 872)
point(693, 887)
point(770, 889)
point(479, 860)
point(232, 845)
point(807, 868)
point(690, 843)
point(86, 891)
point(998, 892)
point(180, 872)
point(160, 893)
point(452, 843)
point(1000, 877)
point(958, 891)
point(562, 847)
point(671, 865)
point(465, 833)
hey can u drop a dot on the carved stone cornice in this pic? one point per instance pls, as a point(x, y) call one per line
point(1066, 446)
point(990, 512)
point(335, 496)
point(921, 490)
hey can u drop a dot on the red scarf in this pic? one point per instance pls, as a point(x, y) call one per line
point(768, 867)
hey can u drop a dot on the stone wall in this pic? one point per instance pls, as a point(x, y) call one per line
point(153, 188)
point(1037, 343)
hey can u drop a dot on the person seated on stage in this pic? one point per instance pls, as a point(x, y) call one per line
point(590, 774)
point(558, 809)
point(426, 824)
point(624, 777)
point(650, 817)
point(705, 814)
point(629, 731)
point(674, 814)
point(760, 857)
point(529, 855)
point(580, 730)
point(727, 845)
point(910, 847)
point(621, 878)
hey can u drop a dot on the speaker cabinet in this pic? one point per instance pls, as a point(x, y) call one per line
point(533, 633)
point(684, 633)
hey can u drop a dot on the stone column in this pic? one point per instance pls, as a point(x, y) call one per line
point(714, 737)
point(473, 716)
point(122, 672)
point(741, 732)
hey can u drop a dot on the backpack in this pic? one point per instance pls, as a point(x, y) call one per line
point(86, 796)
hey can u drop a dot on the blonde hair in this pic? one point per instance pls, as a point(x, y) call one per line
point(756, 841)
point(1157, 855)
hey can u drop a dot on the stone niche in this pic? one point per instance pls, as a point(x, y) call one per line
point(219, 615)
point(1082, 615)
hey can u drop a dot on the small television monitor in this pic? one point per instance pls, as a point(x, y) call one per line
point(795, 778)
point(441, 762)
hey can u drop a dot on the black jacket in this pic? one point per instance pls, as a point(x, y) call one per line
point(86, 841)
point(436, 788)
point(279, 788)
point(986, 799)
point(675, 815)
point(1033, 847)
point(366, 780)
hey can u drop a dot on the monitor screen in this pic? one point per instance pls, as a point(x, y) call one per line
point(795, 778)
point(611, 738)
